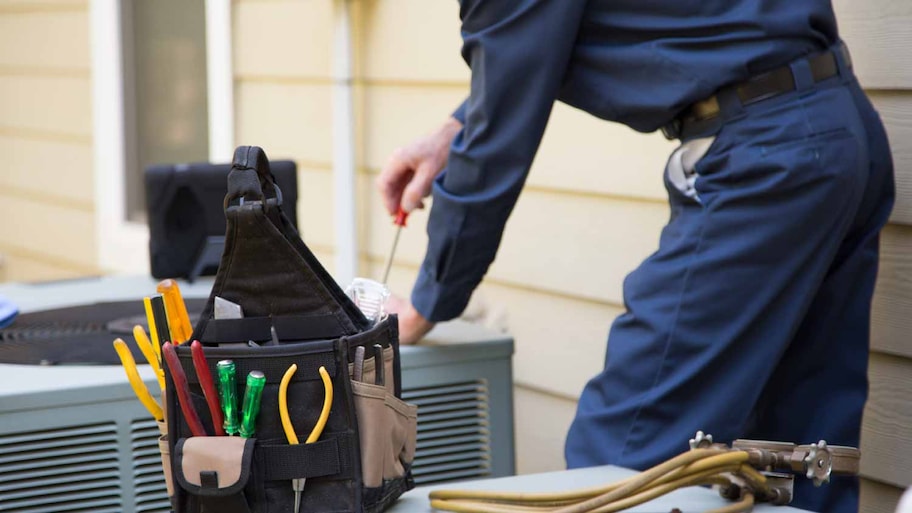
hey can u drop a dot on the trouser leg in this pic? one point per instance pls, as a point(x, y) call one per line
point(712, 313)
point(823, 373)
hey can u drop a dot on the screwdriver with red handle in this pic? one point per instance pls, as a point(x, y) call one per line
point(399, 221)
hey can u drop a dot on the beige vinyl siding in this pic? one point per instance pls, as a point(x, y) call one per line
point(878, 498)
point(283, 100)
point(46, 187)
point(24, 266)
point(591, 211)
point(878, 35)
point(540, 415)
point(33, 6)
point(895, 109)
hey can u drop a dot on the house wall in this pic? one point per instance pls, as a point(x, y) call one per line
point(877, 34)
point(283, 96)
point(46, 183)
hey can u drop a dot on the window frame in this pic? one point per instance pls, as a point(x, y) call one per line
point(122, 246)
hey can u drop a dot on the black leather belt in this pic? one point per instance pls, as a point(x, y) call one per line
point(756, 89)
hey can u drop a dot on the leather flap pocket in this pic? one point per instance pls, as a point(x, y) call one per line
point(213, 465)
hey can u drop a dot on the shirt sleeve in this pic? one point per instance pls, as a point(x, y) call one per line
point(518, 51)
point(460, 113)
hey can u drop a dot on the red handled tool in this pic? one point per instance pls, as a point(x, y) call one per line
point(208, 386)
point(183, 390)
point(399, 221)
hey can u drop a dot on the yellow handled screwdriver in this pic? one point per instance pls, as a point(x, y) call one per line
point(153, 331)
point(145, 345)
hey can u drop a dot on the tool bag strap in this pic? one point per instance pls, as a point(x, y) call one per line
point(329, 457)
point(258, 329)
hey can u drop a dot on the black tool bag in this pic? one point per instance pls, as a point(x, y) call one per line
point(361, 463)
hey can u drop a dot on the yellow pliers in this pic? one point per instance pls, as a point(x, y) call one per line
point(298, 484)
point(139, 387)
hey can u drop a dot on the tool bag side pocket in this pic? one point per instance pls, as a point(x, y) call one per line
point(388, 428)
point(215, 472)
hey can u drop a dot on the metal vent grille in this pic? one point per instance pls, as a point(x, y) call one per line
point(453, 436)
point(68, 470)
point(30, 330)
point(148, 481)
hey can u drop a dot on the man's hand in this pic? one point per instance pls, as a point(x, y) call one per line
point(412, 325)
point(407, 177)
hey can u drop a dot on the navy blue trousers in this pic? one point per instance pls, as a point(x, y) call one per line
point(752, 318)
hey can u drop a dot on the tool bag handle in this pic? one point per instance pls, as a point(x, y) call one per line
point(251, 179)
point(267, 268)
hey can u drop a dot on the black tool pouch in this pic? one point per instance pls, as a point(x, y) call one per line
point(361, 462)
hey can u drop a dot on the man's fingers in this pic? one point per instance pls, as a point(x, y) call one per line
point(392, 180)
point(419, 187)
point(390, 196)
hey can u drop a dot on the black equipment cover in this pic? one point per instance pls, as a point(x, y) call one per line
point(184, 209)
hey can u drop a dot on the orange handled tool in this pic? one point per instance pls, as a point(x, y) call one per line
point(178, 319)
point(399, 221)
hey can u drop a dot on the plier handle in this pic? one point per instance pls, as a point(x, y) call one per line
point(298, 484)
point(139, 387)
point(324, 413)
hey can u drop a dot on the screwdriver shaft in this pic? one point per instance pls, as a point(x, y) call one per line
point(389, 260)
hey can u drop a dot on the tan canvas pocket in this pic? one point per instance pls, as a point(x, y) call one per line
point(388, 430)
point(166, 463)
point(216, 470)
point(165, 451)
point(404, 434)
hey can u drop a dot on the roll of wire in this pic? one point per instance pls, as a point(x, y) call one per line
point(733, 469)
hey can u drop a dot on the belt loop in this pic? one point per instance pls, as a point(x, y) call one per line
point(729, 104)
point(801, 71)
point(843, 59)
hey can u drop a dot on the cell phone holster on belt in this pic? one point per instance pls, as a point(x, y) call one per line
point(294, 313)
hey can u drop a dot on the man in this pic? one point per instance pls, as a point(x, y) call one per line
point(752, 318)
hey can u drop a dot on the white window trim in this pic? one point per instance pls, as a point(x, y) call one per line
point(123, 246)
point(220, 79)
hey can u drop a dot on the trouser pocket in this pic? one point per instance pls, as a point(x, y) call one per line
point(680, 172)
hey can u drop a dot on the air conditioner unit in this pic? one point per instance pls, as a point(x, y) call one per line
point(75, 439)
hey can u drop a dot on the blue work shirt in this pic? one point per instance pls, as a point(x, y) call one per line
point(637, 62)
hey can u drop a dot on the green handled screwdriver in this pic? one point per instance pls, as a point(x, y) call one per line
point(228, 394)
point(256, 380)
